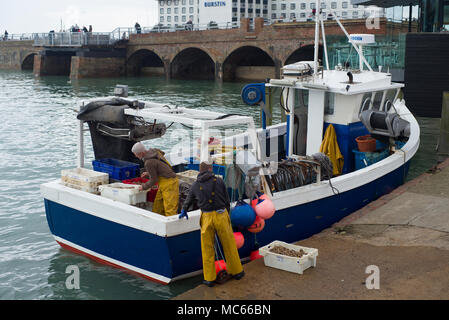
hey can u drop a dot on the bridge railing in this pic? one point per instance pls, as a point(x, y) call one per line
point(72, 39)
point(17, 37)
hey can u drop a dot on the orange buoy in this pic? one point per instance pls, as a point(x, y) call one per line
point(220, 266)
point(258, 225)
point(255, 255)
point(239, 239)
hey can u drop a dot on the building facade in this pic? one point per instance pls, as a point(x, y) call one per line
point(174, 13)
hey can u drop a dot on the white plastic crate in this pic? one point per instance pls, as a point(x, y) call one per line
point(125, 193)
point(84, 179)
point(188, 176)
point(286, 263)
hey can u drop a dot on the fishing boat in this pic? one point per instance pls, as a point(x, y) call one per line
point(307, 197)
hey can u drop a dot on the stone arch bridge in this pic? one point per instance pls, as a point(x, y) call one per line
point(226, 55)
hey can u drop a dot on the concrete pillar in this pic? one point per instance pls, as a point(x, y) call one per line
point(219, 71)
point(167, 68)
point(90, 67)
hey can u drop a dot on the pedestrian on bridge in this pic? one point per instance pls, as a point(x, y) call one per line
point(138, 28)
point(5, 38)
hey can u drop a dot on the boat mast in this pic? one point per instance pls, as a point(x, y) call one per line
point(317, 35)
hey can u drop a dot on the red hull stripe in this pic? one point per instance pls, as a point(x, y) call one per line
point(69, 248)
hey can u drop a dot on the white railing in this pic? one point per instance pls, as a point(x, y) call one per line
point(17, 37)
point(72, 39)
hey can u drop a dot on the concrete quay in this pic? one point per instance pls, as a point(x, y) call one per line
point(405, 234)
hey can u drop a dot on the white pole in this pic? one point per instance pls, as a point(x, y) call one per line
point(81, 145)
point(317, 34)
point(324, 44)
point(360, 58)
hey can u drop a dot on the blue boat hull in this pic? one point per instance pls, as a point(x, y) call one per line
point(174, 257)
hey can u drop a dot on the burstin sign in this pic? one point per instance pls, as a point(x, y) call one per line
point(215, 4)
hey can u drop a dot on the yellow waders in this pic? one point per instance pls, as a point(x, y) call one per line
point(167, 198)
point(219, 223)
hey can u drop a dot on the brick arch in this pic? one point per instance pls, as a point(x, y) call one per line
point(192, 62)
point(260, 64)
point(145, 61)
point(301, 53)
point(27, 62)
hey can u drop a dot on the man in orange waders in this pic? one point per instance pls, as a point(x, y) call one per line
point(213, 199)
point(159, 171)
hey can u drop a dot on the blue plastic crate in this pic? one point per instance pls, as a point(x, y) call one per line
point(365, 159)
point(117, 169)
point(195, 165)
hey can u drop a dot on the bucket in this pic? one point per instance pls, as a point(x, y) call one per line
point(366, 143)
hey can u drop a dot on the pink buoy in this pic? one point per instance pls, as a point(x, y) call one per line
point(239, 239)
point(264, 207)
point(258, 225)
point(255, 255)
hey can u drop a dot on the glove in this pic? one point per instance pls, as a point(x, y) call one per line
point(183, 215)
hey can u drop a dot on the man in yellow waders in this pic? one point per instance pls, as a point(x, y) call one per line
point(159, 171)
point(213, 199)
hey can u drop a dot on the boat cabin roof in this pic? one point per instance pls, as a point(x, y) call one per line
point(338, 81)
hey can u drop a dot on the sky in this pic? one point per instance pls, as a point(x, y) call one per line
point(41, 16)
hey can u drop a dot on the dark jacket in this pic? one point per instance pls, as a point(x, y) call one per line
point(156, 165)
point(202, 190)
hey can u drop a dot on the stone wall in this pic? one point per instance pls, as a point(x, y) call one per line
point(88, 67)
point(13, 53)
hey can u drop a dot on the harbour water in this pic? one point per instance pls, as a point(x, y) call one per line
point(38, 139)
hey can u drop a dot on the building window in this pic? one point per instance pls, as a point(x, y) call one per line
point(344, 14)
point(184, 2)
point(161, 3)
point(176, 2)
point(323, 5)
point(283, 6)
point(292, 6)
point(292, 16)
point(273, 6)
point(191, 18)
point(312, 5)
point(176, 18)
point(355, 14)
point(191, 2)
point(333, 5)
point(184, 10)
point(161, 19)
point(303, 15)
point(176, 10)
point(191, 10)
point(355, 6)
point(303, 6)
point(344, 4)
point(169, 3)
point(162, 10)
point(273, 16)
point(168, 10)
point(168, 19)
point(184, 18)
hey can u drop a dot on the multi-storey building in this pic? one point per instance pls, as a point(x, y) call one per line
point(179, 12)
